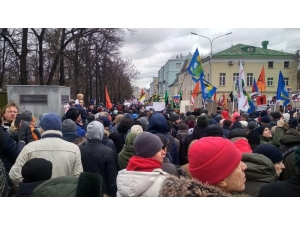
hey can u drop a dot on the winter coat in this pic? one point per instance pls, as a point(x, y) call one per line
point(279, 131)
point(127, 151)
point(140, 184)
point(260, 171)
point(226, 131)
point(158, 124)
point(69, 136)
point(64, 156)
point(26, 189)
point(108, 143)
point(169, 167)
point(86, 185)
point(185, 187)
point(3, 181)
point(83, 113)
point(290, 139)
point(80, 131)
point(288, 188)
point(97, 158)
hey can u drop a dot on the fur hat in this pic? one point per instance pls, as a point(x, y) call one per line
point(244, 123)
point(95, 130)
point(212, 159)
point(173, 117)
point(68, 125)
point(136, 129)
point(260, 129)
point(72, 114)
point(26, 115)
point(51, 121)
point(146, 145)
point(237, 132)
point(269, 151)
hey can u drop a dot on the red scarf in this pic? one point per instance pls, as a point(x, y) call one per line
point(137, 163)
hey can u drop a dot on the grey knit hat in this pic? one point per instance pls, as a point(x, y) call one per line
point(173, 117)
point(146, 145)
point(27, 115)
point(68, 125)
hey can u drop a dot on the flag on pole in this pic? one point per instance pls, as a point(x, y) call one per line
point(242, 92)
point(224, 101)
point(142, 92)
point(142, 98)
point(196, 89)
point(215, 97)
point(166, 98)
point(107, 99)
point(180, 94)
point(208, 90)
point(282, 92)
point(195, 68)
point(261, 82)
point(254, 86)
point(192, 100)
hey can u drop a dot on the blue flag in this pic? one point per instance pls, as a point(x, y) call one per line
point(254, 86)
point(195, 68)
point(208, 90)
point(282, 93)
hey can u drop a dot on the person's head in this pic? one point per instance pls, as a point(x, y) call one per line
point(214, 130)
point(244, 117)
point(164, 140)
point(95, 130)
point(73, 114)
point(72, 102)
point(91, 106)
point(275, 115)
point(252, 125)
point(237, 133)
point(265, 120)
point(182, 127)
point(36, 169)
point(174, 118)
point(105, 121)
point(202, 121)
point(216, 161)
point(50, 121)
point(81, 102)
point(26, 115)
point(80, 96)
point(221, 122)
point(137, 129)
point(148, 145)
point(273, 153)
point(10, 112)
point(68, 125)
point(264, 131)
point(227, 123)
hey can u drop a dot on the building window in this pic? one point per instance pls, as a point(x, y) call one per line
point(286, 64)
point(178, 65)
point(222, 79)
point(286, 80)
point(249, 79)
point(235, 77)
point(270, 64)
point(270, 81)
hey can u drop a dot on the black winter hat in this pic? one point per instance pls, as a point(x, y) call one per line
point(237, 132)
point(202, 121)
point(275, 115)
point(214, 130)
point(269, 151)
point(36, 169)
point(173, 117)
point(263, 113)
point(253, 138)
point(163, 139)
point(265, 119)
point(252, 125)
point(260, 130)
point(72, 114)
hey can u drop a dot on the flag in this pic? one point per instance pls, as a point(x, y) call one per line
point(142, 92)
point(242, 92)
point(166, 98)
point(142, 99)
point(224, 101)
point(180, 94)
point(196, 89)
point(173, 104)
point(261, 82)
point(107, 99)
point(282, 93)
point(208, 90)
point(195, 68)
point(254, 86)
point(192, 100)
point(215, 97)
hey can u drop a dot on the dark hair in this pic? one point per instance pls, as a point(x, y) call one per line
point(227, 123)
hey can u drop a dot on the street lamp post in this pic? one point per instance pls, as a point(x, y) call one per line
point(211, 42)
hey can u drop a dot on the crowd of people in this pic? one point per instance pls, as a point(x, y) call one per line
point(130, 151)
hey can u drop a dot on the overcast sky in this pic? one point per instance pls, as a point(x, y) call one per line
point(151, 48)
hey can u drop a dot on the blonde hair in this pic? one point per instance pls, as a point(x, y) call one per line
point(118, 118)
point(80, 96)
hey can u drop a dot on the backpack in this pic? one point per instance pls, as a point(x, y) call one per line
point(290, 150)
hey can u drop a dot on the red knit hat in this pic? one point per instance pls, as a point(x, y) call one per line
point(212, 159)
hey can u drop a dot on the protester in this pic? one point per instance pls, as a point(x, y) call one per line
point(65, 156)
point(143, 175)
point(127, 151)
point(238, 138)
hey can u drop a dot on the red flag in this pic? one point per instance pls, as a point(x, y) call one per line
point(196, 89)
point(108, 103)
point(215, 97)
point(224, 103)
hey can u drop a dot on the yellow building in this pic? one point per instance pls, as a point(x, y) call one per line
point(224, 69)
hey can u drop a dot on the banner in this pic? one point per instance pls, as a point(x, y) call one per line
point(296, 97)
point(261, 100)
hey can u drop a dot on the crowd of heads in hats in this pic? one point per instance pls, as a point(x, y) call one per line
point(135, 151)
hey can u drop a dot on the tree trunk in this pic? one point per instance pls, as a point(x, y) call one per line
point(2, 66)
point(23, 58)
point(76, 65)
point(62, 80)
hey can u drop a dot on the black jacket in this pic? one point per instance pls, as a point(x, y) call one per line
point(288, 188)
point(26, 189)
point(97, 158)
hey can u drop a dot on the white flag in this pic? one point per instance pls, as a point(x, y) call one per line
point(192, 100)
point(242, 99)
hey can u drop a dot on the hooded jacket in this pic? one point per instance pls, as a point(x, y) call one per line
point(260, 171)
point(127, 151)
point(290, 139)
